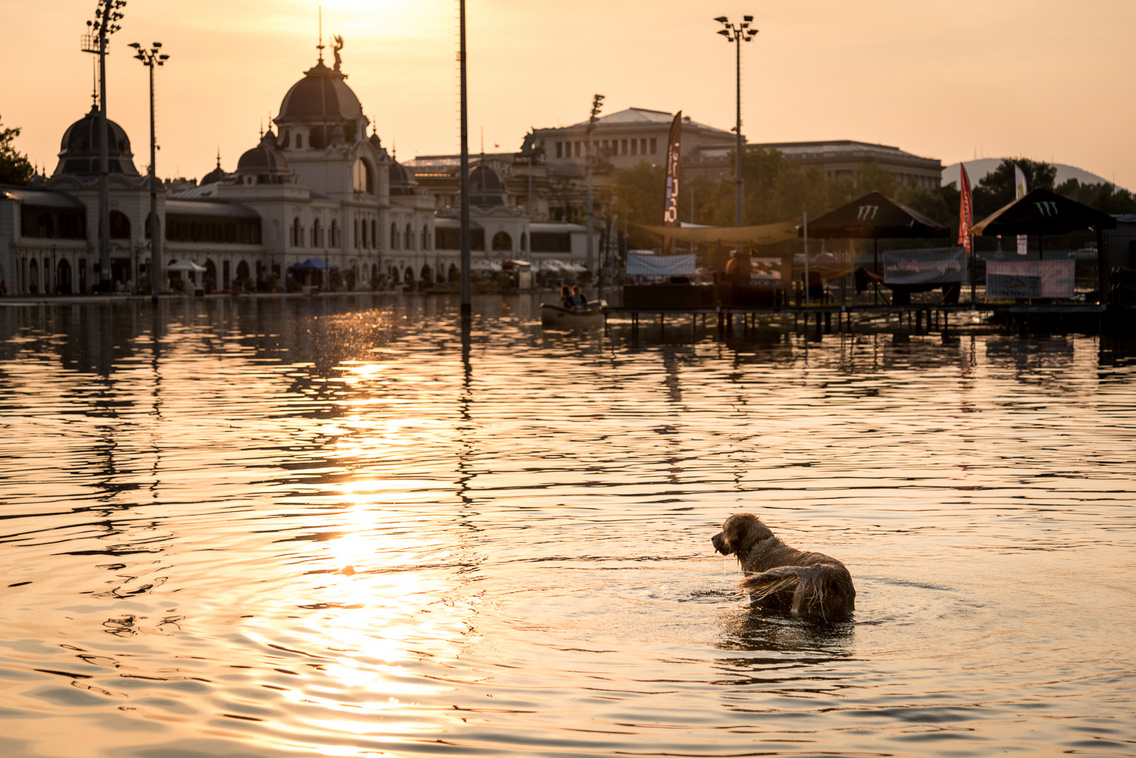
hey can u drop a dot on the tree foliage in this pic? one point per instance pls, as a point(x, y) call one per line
point(779, 190)
point(775, 190)
point(998, 188)
point(14, 166)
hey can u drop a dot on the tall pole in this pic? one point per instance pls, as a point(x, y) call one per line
point(107, 15)
point(151, 58)
point(597, 104)
point(104, 171)
point(738, 191)
point(466, 304)
point(737, 34)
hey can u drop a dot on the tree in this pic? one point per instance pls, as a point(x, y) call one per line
point(14, 167)
point(636, 196)
point(1100, 195)
point(998, 187)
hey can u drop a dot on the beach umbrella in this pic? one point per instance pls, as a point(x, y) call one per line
point(314, 264)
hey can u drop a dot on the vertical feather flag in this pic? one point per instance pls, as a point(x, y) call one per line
point(966, 209)
point(670, 209)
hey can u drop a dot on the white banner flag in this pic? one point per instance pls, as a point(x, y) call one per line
point(1019, 193)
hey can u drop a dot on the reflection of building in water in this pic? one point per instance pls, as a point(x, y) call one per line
point(317, 186)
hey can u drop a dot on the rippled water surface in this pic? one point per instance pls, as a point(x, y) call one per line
point(328, 527)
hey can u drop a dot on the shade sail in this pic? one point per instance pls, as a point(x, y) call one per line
point(1040, 212)
point(765, 234)
point(875, 216)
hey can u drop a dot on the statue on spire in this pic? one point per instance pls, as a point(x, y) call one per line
point(338, 46)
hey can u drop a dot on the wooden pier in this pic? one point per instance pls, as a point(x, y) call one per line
point(848, 319)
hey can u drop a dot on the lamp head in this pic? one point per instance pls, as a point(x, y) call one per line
point(722, 20)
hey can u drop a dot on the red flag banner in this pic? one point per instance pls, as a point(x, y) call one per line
point(670, 208)
point(966, 210)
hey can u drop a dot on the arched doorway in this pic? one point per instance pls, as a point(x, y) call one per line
point(502, 242)
point(63, 277)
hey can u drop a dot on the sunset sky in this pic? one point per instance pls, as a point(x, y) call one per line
point(957, 80)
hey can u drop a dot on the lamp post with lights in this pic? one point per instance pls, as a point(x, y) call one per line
point(737, 34)
point(597, 104)
point(150, 59)
point(107, 15)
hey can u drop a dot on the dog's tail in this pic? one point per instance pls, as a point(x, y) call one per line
point(821, 589)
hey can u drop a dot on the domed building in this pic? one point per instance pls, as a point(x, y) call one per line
point(318, 184)
point(79, 149)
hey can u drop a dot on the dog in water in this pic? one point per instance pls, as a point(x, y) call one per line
point(780, 577)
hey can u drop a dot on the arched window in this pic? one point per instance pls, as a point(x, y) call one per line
point(425, 237)
point(119, 226)
point(364, 178)
point(334, 241)
point(297, 233)
point(524, 242)
point(409, 238)
point(394, 239)
point(502, 242)
point(374, 233)
point(317, 234)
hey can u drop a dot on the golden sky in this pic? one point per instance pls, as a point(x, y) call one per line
point(955, 80)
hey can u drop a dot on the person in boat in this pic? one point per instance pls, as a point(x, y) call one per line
point(579, 302)
point(566, 297)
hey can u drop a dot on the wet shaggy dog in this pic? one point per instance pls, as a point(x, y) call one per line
point(780, 577)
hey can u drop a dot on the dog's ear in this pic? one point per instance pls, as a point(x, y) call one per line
point(743, 531)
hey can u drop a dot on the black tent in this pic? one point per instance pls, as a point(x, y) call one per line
point(1043, 212)
point(875, 216)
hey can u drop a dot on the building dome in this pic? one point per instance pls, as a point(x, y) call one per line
point(322, 101)
point(263, 161)
point(486, 187)
point(216, 175)
point(79, 148)
point(402, 181)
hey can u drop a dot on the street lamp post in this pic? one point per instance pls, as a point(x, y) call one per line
point(597, 103)
point(107, 15)
point(151, 58)
point(737, 34)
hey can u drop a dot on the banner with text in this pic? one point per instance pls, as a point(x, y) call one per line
point(670, 208)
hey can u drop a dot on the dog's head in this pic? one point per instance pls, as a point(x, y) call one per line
point(740, 534)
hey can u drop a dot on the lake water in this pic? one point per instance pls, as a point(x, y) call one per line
point(326, 527)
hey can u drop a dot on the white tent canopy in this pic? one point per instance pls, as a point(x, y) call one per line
point(189, 266)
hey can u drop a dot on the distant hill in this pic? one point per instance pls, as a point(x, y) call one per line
point(977, 169)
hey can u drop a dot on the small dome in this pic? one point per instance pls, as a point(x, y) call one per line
point(402, 181)
point(264, 160)
point(79, 148)
point(485, 187)
point(216, 175)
